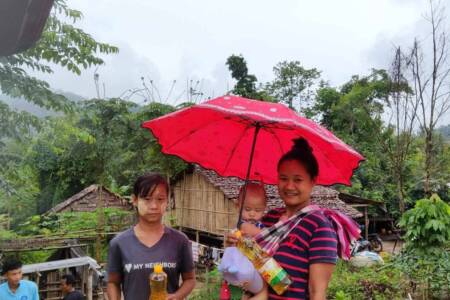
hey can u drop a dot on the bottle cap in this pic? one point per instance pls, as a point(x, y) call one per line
point(158, 268)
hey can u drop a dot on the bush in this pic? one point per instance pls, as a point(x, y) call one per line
point(210, 283)
point(67, 223)
point(377, 282)
point(429, 274)
point(427, 225)
point(7, 234)
point(425, 260)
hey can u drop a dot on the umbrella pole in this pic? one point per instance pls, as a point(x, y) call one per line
point(247, 177)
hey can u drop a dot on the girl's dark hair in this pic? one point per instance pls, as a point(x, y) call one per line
point(147, 183)
point(302, 152)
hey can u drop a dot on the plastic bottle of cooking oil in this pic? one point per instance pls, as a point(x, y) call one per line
point(158, 284)
point(266, 265)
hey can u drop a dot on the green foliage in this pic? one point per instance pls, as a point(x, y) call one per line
point(428, 271)
point(292, 84)
point(353, 113)
point(426, 257)
point(210, 283)
point(34, 257)
point(427, 225)
point(59, 154)
point(7, 234)
point(366, 283)
point(17, 183)
point(246, 83)
point(445, 132)
point(61, 44)
point(70, 223)
point(102, 142)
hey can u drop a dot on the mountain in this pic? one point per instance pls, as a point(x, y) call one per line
point(21, 104)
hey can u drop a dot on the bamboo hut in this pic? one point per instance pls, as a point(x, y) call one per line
point(205, 202)
point(89, 199)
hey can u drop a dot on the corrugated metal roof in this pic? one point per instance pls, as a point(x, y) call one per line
point(61, 264)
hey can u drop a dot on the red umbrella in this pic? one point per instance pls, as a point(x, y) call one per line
point(229, 133)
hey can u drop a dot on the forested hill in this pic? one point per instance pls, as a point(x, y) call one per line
point(21, 104)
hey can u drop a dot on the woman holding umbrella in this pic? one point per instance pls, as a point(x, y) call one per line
point(308, 252)
point(301, 236)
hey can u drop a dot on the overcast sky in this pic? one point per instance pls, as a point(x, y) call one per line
point(190, 40)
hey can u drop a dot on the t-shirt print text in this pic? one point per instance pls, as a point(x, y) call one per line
point(132, 267)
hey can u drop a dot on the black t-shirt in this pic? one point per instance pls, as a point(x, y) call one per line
point(75, 295)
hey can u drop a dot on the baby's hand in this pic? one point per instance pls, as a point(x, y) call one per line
point(230, 239)
point(249, 229)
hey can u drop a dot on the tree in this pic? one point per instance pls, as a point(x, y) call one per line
point(62, 44)
point(102, 143)
point(430, 80)
point(401, 107)
point(246, 83)
point(354, 114)
point(292, 84)
point(18, 182)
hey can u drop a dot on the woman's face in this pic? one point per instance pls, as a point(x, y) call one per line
point(294, 184)
point(152, 207)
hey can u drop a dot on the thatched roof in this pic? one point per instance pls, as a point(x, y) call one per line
point(322, 196)
point(83, 194)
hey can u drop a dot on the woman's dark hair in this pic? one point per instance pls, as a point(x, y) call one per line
point(147, 183)
point(69, 278)
point(10, 264)
point(302, 152)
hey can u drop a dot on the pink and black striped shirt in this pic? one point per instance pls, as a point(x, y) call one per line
point(313, 240)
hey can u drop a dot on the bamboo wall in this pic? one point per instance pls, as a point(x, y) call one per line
point(199, 205)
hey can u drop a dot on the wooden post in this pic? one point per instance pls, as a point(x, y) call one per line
point(366, 223)
point(38, 277)
point(90, 285)
point(84, 274)
point(100, 224)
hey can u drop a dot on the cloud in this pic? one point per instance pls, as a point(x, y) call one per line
point(190, 40)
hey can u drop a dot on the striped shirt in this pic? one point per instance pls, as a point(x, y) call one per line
point(313, 240)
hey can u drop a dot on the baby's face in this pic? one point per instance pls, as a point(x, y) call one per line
point(254, 207)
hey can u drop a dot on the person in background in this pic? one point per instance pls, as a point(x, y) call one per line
point(16, 288)
point(68, 288)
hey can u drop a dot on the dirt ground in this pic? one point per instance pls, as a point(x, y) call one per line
point(388, 246)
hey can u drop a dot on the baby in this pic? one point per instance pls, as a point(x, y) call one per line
point(237, 269)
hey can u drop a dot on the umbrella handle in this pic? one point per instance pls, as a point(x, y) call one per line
point(247, 178)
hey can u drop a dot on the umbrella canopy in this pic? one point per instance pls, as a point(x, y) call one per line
point(240, 137)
